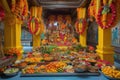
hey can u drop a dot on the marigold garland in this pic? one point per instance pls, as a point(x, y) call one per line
point(111, 21)
point(35, 20)
point(13, 51)
point(13, 5)
point(19, 8)
point(91, 10)
point(83, 27)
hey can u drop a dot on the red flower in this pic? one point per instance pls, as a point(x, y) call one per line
point(91, 48)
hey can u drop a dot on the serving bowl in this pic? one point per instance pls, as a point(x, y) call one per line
point(11, 71)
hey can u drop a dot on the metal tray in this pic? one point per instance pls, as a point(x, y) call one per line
point(60, 74)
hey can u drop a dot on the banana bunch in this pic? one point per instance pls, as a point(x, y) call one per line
point(111, 72)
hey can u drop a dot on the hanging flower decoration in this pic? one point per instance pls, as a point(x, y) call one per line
point(33, 29)
point(80, 26)
point(68, 20)
point(104, 12)
point(19, 8)
point(91, 10)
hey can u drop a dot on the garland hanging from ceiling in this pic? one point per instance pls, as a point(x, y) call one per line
point(106, 12)
point(19, 8)
point(91, 10)
point(35, 23)
point(81, 23)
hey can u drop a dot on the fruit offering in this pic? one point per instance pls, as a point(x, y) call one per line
point(33, 59)
point(48, 58)
point(111, 72)
point(29, 69)
point(55, 67)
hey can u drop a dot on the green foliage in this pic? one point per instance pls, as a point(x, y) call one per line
point(77, 47)
point(47, 49)
point(106, 9)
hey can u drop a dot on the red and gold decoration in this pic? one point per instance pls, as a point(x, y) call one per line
point(80, 26)
point(32, 29)
point(35, 23)
point(106, 14)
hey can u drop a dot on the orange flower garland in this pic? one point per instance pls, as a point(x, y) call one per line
point(19, 8)
point(13, 51)
point(13, 5)
point(80, 29)
point(91, 10)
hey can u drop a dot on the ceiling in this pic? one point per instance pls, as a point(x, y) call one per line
point(58, 3)
point(59, 6)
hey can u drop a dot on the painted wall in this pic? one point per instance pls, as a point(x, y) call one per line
point(116, 35)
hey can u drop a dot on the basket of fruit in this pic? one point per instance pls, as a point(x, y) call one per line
point(11, 71)
point(111, 73)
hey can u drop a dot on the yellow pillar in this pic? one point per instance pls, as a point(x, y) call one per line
point(83, 38)
point(36, 13)
point(104, 48)
point(81, 13)
point(12, 32)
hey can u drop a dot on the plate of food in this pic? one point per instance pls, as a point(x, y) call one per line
point(11, 71)
point(110, 77)
point(111, 72)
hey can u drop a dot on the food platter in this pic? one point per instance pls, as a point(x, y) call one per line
point(108, 77)
point(110, 72)
point(59, 62)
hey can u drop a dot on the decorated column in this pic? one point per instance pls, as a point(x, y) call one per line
point(36, 26)
point(106, 16)
point(12, 25)
point(81, 25)
point(12, 32)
